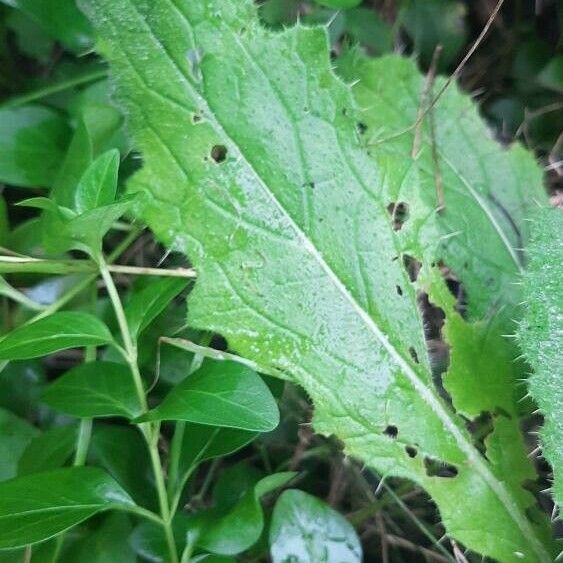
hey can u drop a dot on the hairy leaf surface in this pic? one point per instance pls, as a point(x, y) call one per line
point(255, 169)
point(541, 333)
point(488, 190)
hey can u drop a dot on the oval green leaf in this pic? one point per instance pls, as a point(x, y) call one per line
point(225, 394)
point(241, 526)
point(54, 333)
point(33, 141)
point(15, 435)
point(148, 303)
point(49, 450)
point(98, 184)
point(306, 529)
point(39, 506)
point(95, 389)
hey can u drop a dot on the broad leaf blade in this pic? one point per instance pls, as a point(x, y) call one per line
point(306, 529)
point(39, 506)
point(541, 333)
point(225, 394)
point(52, 334)
point(95, 389)
point(488, 190)
point(298, 266)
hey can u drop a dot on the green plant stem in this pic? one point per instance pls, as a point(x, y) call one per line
point(23, 99)
point(83, 284)
point(179, 431)
point(150, 432)
point(83, 442)
point(174, 462)
point(29, 265)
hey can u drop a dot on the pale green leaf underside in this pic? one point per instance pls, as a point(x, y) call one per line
point(488, 190)
point(541, 332)
point(297, 263)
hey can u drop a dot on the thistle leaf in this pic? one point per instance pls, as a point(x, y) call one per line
point(541, 333)
point(254, 168)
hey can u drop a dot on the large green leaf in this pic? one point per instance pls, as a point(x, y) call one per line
point(39, 506)
point(541, 333)
point(254, 167)
point(489, 190)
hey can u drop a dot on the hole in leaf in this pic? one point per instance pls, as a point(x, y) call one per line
point(437, 349)
point(480, 428)
point(455, 287)
point(391, 431)
point(411, 451)
point(196, 118)
point(412, 266)
point(414, 355)
point(219, 153)
point(399, 214)
point(436, 468)
point(362, 127)
point(399, 290)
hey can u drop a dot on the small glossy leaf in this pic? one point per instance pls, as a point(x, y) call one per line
point(49, 205)
point(59, 331)
point(15, 435)
point(305, 529)
point(98, 184)
point(21, 384)
point(434, 22)
point(148, 303)
point(61, 19)
point(241, 527)
point(221, 394)
point(202, 442)
point(123, 453)
point(39, 506)
point(49, 450)
point(149, 542)
point(95, 389)
point(104, 543)
point(33, 141)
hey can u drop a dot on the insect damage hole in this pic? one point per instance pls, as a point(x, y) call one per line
point(436, 468)
point(391, 431)
point(412, 452)
point(412, 266)
point(399, 212)
point(219, 153)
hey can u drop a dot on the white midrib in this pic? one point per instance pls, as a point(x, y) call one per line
point(474, 458)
